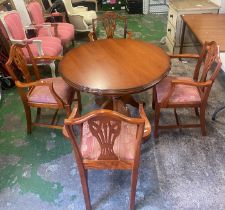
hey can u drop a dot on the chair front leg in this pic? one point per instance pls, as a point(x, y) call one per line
point(28, 118)
point(157, 116)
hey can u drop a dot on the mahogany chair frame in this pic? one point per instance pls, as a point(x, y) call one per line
point(207, 61)
point(108, 20)
point(28, 84)
point(107, 159)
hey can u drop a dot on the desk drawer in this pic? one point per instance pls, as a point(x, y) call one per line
point(172, 17)
point(171, 32)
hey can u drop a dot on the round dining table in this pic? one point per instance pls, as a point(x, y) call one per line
point(114, 67)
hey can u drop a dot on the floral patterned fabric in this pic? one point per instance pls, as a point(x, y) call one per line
point(124, 147)
point(182, 93)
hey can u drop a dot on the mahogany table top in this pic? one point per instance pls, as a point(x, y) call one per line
point(114, 66)
point(207, 27)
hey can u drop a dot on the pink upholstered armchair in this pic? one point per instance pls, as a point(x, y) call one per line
point(40, 46)
point(64, 31)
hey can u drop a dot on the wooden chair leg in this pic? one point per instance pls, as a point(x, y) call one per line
point(68, 110)
point(202, 121)
point(153, 98)
point(157, 115)
point(84, 183)
point(28, 118)
point(79, 101)
point(134, 177)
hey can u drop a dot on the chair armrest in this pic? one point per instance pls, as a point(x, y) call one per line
point(195, 56)
point(28, 41)
point(147, 129)
point(191, 83)
point(74, 113)
point(56, 14)
point(27, 85)
point(59, 58)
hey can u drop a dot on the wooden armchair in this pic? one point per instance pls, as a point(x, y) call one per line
point(183, 92)
point(108, 140)
point(109, 21)
point(50, 93)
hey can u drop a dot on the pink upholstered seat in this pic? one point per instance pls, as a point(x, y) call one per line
point(42, 94)
point(124, 146)
point(65, 30)
point(182, 93)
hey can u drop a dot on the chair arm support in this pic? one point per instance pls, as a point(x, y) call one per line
point(147, 129)
point(191, 83)
point(30, 84)
point(194, 56)
point(74, 113)
point(59, 58)
point(28, 41)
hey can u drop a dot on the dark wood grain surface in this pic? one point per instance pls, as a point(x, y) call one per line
point(114, 66)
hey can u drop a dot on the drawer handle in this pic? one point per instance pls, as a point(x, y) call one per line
point(171, 16)
point(169, 30)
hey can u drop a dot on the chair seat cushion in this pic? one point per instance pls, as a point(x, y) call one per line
point(42, 94)
point(124, 146)
point(183, 94)
point(65, 32)
point(51, 46)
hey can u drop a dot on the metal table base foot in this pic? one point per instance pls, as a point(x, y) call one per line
point(216, 111)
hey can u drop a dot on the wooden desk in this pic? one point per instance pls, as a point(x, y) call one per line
point(206, 27)
point(114, 67)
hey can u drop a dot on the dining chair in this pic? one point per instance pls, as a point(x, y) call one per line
point(107, 140)
point(40, 45)
point(64, 31)
point(109, 21)
point(50, 93)
point(80, 16)
point(184, 92)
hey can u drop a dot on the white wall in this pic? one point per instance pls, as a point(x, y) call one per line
point(21, 8)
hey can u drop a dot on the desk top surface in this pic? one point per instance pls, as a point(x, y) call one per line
point(207, 27)
point(114, 66)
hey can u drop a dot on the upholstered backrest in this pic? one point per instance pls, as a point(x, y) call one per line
point(34, 9)
point(112, 139)
point(106, 135)
point(14, 26)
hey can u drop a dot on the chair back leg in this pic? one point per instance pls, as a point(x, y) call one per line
point(134, 177)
